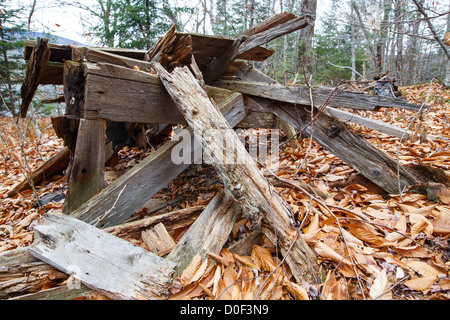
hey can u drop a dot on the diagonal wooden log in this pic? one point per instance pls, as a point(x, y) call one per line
point(278, 26)
point(100, 260)
point(114, 204)
point(245, 181)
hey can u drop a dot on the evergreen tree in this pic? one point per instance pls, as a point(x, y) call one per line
point(11, 58)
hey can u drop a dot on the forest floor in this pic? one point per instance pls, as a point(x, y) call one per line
point(400, 250)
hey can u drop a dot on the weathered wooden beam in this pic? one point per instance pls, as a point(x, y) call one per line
point(245, 182)
point(66, 292)
point(87, 171)
point(114, 204)
point(208, 233)
point(101, 261)
point(58, 52)
point(22, 275)
point(336, 137)
point(301, 95)
point(35, 68)
point(172, 220)
point(94, 55)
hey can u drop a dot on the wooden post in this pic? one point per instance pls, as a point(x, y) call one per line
point(87, 174)
point(246, 183)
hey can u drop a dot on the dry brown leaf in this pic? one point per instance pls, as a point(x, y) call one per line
point(420, 284)
point(297, 291)
point(191, 269)
point(401, 224)
point(216, 278)
point(200, 271)
point(441, 223)
point(219, 258)
point(263, 258)
point(423, 268)
point(420, 224)
point(359, 230)
point(326, 252)
point(313, 225)
point(444, 284)
point(334, 289)
point(379, 287)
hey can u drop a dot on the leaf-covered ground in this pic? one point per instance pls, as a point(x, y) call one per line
point(369, 245)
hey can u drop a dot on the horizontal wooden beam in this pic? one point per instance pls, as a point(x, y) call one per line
point(377, 125)
point(122, 94)
point(320, 94)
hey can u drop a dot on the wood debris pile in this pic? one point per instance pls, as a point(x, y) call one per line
point(244, 232)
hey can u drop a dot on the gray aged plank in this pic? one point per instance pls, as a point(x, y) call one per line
point(100, 260)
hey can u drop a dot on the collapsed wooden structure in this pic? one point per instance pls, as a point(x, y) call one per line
point(198, 80)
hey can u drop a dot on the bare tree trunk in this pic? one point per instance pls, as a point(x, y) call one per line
point(353, 40)
point(399, 41)
point(33, 6)
point(432, 29)
point(305, 35)
point(413, 50)
point(447, 73)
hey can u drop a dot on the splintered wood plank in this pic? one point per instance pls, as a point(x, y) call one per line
point(158, 240)
point(377, 125)
point(35, 69)
point(245, 181)
point(101, 261)
point(170, 50)
point(172, 220)
point(261, 34)
point(208, 233)
point(93, 55)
